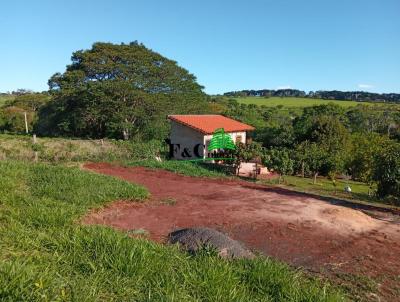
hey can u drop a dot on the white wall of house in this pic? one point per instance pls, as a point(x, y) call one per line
point(193, 140)
point(187, 138)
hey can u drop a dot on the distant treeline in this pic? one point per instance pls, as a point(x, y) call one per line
point(16, 92)
point(360, 96)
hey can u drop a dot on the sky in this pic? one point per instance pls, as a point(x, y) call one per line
point(227, 44)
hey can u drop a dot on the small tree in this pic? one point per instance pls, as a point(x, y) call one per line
point(387, 171)
point(246, 153)
point(314, 158)
point(366, 146)
point(279, 161)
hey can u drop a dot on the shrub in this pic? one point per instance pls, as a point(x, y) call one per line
point(387, 171)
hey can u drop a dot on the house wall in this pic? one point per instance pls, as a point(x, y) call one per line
point(187, 139)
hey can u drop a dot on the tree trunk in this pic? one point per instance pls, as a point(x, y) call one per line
point(237, 169)
point(125, 134)
point(302, 169)
point(280, 179)
point(315, 178)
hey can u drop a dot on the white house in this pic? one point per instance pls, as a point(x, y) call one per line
point(191, 134)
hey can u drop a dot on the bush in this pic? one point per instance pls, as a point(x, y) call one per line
point(387, 171)
point(12, 119)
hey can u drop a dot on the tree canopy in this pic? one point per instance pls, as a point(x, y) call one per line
point(118, 91)
point(387, 171)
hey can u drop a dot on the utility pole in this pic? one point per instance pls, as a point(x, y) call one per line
point(26, 123)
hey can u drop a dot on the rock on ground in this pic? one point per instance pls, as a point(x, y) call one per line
point(195, 239)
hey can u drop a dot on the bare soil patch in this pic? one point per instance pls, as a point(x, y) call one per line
point(326, 237)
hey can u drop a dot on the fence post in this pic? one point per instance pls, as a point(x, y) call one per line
point(26, 123)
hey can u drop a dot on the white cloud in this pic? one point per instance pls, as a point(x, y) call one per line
point(284, 87)
point(365, 86)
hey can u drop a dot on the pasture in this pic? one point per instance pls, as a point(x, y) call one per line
point(293, 102)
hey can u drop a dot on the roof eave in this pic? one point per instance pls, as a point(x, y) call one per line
point(171, 117)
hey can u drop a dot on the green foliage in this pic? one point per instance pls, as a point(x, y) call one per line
point(305, 124)
point(281, 136)
point(12, 118)
point(47, 254)
point(387, 170)
point(365, 119)
point(333, 139)
point(246, 153)
point(118, 91)
point(313, 157)
point(366, 147)
point(29, 101)
point(320, 138)
point(279, 161)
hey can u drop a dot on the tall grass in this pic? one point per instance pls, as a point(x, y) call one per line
point(55, 150)
point(197, 169)
point(46, 254)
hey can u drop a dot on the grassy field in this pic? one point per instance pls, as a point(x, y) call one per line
point(21, 147)
point(70, 151)
point(75, 151)
point(325, 187)
point(46, 254)
point(292, 102)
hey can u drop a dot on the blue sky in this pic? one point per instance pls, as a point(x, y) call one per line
point(228, 45)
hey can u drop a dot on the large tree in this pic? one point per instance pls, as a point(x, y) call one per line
point(312, 157)
point(118, 91)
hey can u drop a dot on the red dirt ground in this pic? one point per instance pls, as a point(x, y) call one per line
point(327, 237)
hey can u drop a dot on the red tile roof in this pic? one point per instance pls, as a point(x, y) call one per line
point(207, 124)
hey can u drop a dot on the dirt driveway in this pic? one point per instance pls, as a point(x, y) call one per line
point(325, 237)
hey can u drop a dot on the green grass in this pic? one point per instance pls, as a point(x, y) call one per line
point(293, 102)
point(196, 169)
point(46, 254)
point(325, 187)
point(21, 147)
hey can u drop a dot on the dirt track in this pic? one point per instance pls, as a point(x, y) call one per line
point(300, 229)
